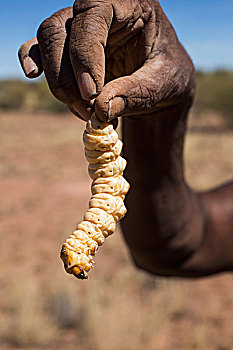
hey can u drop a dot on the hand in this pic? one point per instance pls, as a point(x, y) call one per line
point(124, 54)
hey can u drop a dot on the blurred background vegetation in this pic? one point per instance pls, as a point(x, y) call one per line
point(214, 94)
point(27, 96)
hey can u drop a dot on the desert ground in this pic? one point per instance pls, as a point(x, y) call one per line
point(45, 190)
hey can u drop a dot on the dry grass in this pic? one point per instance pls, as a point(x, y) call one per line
point(45, 191)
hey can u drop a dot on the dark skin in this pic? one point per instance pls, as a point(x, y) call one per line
point(125, 57)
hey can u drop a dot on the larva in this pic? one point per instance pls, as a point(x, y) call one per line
point(106, 206)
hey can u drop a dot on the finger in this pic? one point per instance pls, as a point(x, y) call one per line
point(76, 113)
point(81, 109)
point(91, 23)
point(30, 59)
point(159, 81)
point(53, 38)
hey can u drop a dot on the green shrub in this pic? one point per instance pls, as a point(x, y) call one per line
point(12, 94)
point(29, 96)
point(215, 92)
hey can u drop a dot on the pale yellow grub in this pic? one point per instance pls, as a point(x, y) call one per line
point(107, 170)
point(117, 186)
point(106, 207)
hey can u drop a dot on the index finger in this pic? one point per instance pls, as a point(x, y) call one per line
point(89, 33)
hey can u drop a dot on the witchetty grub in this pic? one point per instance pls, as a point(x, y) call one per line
point(106, 206)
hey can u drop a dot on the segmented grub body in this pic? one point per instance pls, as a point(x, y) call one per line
point(106, 206)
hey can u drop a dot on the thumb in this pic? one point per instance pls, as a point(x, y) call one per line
point(159, 82)
point(131, 95)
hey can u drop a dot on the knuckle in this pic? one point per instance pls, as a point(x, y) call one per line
point(43, 26)
point(21, 51)
point(46, 28)
point(25, 48)
point(84, 5)
point(143, 96)
point(50, 26)
point(80, 5)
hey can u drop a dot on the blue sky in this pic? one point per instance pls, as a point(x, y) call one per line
point(205, 27)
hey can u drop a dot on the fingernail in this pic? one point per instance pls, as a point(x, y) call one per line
point(28, 65)
point(115, 107)
point(86, 85)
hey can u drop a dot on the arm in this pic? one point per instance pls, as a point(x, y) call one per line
point(127, 57)
point(170, 229)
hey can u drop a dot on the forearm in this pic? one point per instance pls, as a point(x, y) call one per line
point(163, 226)
point(169, 228)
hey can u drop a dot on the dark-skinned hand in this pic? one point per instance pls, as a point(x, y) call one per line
point(124, 54)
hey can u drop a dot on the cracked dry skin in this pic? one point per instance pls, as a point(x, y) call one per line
point(106, 206)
